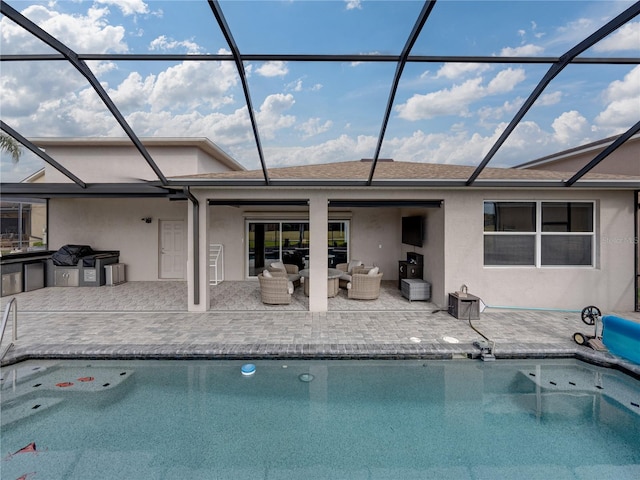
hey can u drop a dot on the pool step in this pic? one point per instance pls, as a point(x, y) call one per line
point(32, 389)
point(585, 381)
point(13, 412)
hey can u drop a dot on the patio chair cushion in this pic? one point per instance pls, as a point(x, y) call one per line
point(373, 271)
point(353, 264)
point(278, 265)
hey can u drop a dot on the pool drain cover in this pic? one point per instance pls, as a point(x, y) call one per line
point(305, 377)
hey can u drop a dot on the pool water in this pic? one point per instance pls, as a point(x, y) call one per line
point(319, 420)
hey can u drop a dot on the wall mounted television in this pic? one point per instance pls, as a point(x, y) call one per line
point(413, 230)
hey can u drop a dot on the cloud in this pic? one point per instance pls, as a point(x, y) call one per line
point(127, 7)
point(623, 100)
point(457, 99)
point(25, 86)
point(548, 99)
point(313, 127)
point(164, 44)
point(193, 84)
point(627, 37)
point(456, 70)
point(229, 130)
point(81, 33)
point(340, 149)
point(295, 86)
point(271, 117)
point(573, 32)
point(273, 69)
point(60, 103)
point(522, 51)
point(485, 114)
point(569, 126)
point(353, 4)
point(444, 102)
point(505, 80)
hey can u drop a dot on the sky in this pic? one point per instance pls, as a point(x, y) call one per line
point(323, 112)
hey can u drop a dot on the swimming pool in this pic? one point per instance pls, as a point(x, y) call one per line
point(319, 420)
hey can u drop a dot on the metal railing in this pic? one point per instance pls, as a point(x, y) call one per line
point(5, 319)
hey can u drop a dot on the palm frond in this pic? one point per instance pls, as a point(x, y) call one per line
point(11, 146)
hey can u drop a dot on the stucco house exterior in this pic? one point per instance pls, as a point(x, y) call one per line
point(517, 238)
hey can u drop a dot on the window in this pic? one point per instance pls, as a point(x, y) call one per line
point(23, 226)
point(269, 241)
point(539, 234)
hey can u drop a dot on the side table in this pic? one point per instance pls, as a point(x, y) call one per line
point(415, 289)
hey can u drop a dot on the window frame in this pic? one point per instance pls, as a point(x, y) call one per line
point(538, 234)
point(284, 219)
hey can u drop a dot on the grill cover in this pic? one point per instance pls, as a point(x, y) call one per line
point(69, 255)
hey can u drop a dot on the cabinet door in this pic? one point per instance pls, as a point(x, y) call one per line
point(67, 277)
point(60, 279)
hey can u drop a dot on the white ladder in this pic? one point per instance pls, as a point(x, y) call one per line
point(216, 264)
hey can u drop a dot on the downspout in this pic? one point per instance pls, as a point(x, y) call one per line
point(196, 245)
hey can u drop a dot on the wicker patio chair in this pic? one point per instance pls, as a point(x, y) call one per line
point(348, 269)
point(276, 290)
point(290, 271)
point(364, 286)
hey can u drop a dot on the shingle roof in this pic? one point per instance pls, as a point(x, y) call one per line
point(392, 170)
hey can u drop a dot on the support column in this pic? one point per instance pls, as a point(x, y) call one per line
point(318, 259)
point(198, 225)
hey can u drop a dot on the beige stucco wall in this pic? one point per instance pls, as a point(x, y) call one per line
point(453, 249)
point(609, 285)
point(115, 224)
point(120, 164)
point(94, 163)
point(623, 161)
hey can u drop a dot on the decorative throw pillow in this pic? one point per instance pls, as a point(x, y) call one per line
point(373, 271)
point(352, 264)
point(279, 266)
point(266, 274)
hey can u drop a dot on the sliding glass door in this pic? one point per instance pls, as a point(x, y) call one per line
point(270, 241)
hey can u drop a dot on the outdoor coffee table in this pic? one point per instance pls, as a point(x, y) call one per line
point(333, 285)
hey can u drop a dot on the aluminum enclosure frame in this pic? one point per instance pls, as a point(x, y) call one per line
point(238, 57)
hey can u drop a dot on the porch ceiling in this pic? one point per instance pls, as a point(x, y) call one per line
point(369, 177)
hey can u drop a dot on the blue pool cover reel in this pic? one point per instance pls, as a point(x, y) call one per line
point(622, 337)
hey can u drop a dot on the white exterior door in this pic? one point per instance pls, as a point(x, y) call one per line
point(173, 239)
